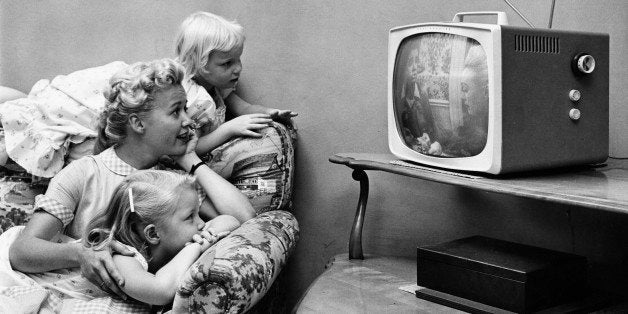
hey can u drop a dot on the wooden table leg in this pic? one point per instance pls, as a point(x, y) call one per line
point(355, 239)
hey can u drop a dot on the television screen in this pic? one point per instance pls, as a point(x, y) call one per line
point(441, 94)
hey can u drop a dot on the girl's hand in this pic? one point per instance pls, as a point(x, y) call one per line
point(99, 269)
point(207, 238)
point(246, 125)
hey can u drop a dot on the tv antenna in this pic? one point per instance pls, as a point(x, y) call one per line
point(519, 13)
point(551, 18)
point(549, 25)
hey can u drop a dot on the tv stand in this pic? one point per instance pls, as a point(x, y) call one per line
point(372, 284)
point(601, 187)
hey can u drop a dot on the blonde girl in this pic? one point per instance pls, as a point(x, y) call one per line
point(155, 214)
point(210, 47)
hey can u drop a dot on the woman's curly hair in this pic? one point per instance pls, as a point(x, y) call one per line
point(130, 91)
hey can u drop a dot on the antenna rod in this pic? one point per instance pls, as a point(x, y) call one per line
point(549, 25)
point(519, 13)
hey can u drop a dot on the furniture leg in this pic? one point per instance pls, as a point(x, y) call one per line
point(355, 239)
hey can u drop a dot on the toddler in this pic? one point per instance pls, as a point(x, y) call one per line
point(209, 47)
point(155, 213)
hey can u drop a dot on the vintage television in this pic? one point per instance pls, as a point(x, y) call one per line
point(494, 98)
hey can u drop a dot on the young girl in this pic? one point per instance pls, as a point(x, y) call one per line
point(209, 47)
point(156, 215)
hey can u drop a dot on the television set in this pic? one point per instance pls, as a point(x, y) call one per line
point(495, 98)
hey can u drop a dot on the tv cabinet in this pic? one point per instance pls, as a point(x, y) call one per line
point(375, 280)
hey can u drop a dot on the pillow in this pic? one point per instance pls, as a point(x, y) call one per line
point(262, 168)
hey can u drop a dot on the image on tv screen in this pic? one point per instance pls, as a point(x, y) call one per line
point(440, 94)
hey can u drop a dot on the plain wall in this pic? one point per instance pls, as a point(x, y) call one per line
point(327, 60)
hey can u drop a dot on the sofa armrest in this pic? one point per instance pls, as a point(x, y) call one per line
point(234, 274)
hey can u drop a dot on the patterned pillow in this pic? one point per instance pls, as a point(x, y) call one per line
point(17, 195)
point(262, 168)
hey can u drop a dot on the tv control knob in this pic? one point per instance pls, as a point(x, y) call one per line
point(574, 95)
point(574, 114)
point(585, 63)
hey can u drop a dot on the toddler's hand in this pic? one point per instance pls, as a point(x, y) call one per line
point(247, 125)
point(279, 114)
point(282, 116)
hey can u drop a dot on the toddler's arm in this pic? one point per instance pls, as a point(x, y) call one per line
point(238, 107)
point(245, 125)
point(158, 288)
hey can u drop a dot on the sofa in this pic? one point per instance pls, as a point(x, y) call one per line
point(234, 274)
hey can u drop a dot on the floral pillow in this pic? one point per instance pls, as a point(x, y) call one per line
point(17, 195)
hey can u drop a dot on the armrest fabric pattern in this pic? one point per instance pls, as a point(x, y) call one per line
point(233, 275)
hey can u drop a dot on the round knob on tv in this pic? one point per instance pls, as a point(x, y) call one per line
point(574, 95)
point(585, 63)
point(574, 114)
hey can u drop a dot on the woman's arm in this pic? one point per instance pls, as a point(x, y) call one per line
point(224, 196)
point(33, 251)
point(158, 288)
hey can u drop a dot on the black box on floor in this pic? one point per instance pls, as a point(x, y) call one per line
point(507, 275)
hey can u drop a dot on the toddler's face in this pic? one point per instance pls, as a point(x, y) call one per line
point(223, 68)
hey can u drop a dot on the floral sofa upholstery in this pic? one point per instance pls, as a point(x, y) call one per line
point(233, 275)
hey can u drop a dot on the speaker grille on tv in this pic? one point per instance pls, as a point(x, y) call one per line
point(538, 44)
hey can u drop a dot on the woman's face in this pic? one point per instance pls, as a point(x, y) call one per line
point(167, 126)
point(223, 68)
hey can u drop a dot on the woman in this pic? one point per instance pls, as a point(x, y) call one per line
point(144, 119)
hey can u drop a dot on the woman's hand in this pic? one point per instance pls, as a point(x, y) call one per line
point(247, 125)
point(99, 269)
point(189, 158)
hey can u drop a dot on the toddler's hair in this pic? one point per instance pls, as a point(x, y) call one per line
point(131, 90)
point(155, 193)
point(202, 33)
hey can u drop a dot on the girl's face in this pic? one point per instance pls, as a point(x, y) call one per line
point(167, 126)
point(223, 68)
point(178, 229)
